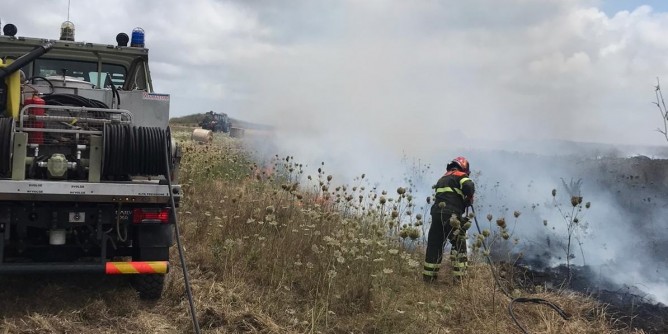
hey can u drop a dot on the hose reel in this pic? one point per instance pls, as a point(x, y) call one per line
point(133, 150)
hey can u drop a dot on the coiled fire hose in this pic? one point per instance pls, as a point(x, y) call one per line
point(186, 277)
point(541, 301)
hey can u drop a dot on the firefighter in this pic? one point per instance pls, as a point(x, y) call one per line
point(454, 193)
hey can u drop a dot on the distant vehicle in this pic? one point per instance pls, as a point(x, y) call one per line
point(216, 122)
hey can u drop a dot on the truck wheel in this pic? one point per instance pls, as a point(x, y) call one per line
point(150, 286)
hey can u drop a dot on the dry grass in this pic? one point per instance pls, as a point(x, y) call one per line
point(268, 255)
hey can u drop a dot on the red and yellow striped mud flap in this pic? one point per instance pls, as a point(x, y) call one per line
point(137, 267)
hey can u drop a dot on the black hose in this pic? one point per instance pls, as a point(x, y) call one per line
point(559, 310)
point(74, 100)
point(25, 59)
point(114, 90)
point(132, 150)
point(5, 145)
point(46, 80)
point(186, 277)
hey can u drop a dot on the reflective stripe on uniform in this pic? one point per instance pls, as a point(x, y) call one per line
point(464, 179)
point(430, 273)
point(450, 190)
point(432, 265)
point(459, 265)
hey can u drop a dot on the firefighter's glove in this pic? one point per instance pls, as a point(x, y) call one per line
point(468, 201)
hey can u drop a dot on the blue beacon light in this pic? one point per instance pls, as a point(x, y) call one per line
point(137, 39)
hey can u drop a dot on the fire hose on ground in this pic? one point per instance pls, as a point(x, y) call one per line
point(513, 300)
point(186, 277)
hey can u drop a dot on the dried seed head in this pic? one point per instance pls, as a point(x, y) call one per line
point(486, 233)
point(545, 222)
point(329, 177)
point(441, 205)
point(270, 209)
point(505, 235)
point(501, 222)
point(395, 213)
point(382, 200)
point(489, 217)
point(414, 233)
point(454, 222)
point(429, 200)
point(401, 190)
point(576, 220)
point(418, 216)
point(516, 214)
point(554, 192)
point(587, 205)
point(574, 200)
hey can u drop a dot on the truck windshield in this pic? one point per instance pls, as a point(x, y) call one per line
point(81, 70)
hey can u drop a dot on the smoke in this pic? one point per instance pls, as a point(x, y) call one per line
point(527, 90)
point(365, 85)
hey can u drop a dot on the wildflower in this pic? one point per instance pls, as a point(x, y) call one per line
point(413, 263)
point(387, 271)
point(393, 251)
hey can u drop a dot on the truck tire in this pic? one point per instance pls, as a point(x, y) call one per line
point(150, 286)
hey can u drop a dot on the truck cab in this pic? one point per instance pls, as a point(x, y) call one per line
point(87, 163)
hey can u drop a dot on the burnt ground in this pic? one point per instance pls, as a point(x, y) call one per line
point(627, 305)
point(635, 187)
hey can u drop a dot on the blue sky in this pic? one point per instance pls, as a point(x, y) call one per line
point(611, 7)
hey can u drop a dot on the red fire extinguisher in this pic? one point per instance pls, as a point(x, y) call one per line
point(35, 137)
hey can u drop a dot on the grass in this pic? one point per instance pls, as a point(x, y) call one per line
point(275, 248)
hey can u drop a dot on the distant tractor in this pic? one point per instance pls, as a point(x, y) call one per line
point(216, 122)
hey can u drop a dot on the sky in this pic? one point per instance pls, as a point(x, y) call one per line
point(363, 85)
point(509, 69)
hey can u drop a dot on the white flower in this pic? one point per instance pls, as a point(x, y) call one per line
point(393, 251)
point(387, 271)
